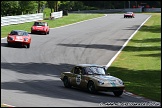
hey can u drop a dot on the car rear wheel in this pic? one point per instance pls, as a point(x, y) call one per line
point(66, 82)
point(91, 87)
point(118, 93)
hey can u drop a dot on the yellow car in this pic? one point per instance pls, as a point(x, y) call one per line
point(92, 77)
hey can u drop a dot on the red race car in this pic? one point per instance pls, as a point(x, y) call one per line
point(40, 27)
point(129, 15)
point(19, 37)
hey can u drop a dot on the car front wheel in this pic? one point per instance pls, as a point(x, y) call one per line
point(91, 87)
point(28, 46)
point(118, 93)
point(9, 44)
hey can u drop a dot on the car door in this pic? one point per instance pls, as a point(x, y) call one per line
point(76, 77)
point(83, 78)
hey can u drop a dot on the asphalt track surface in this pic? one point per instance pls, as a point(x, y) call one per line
point(31, 77)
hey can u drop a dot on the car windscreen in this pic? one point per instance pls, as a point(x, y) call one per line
point(39, 24)
point(94, 70)
point(129, 12)
point(14, 33)
point(19, 33)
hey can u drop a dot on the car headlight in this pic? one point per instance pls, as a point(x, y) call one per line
point(10, 38)
point(101, 82)
point(26, 39)
point(121, 82)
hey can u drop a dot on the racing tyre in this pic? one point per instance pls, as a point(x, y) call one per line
point(91, 87)
point(118, 93)
point(9, 44)
point(28, 46)
point(46, 33)
point(66, 82)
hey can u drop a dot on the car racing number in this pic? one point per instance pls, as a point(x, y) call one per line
point(78, 79)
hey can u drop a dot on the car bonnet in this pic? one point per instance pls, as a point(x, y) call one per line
point(106, 77)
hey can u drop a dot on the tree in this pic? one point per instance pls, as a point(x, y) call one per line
point(28, 6)
point(40, 5)
point(55, 6)
point(50, 4)
point(9, 7)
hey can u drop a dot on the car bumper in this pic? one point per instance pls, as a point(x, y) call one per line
point(128, 16)
point(38, 31)
point(120, 88)
point(18, 43)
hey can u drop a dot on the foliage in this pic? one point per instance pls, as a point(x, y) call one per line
point(53, 5)
point(28, 6)
point(17, 7)
point(8, 7)
point(66, 5)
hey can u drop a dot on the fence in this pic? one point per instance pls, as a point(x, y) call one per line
point(8, 20)
point(140, 10)
point(57, 14)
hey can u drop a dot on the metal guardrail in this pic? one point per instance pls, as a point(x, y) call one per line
point(119, 10)
point(57, 14)
point(8, 20)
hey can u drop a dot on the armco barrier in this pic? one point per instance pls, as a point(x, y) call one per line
point(57, 14)
point(8, 20)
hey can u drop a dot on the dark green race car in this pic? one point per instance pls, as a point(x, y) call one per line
point(93, 78)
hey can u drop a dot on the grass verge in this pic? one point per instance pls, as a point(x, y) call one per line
point(71, 18)
point(139, 64)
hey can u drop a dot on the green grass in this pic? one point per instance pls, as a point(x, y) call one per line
point(139, 64)
point(71, 18)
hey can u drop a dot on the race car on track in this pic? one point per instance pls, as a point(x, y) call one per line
point(19, 37)
point(129, 15)
point(40, 27)
point(93, 78)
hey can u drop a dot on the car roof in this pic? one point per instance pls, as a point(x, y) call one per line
point(40, 21)
point(129, 12)
point(89, 65)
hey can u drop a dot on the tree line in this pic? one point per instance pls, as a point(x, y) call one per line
point(25, 7)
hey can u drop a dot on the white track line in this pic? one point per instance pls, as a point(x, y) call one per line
point(8, 105)
point(110, 62)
